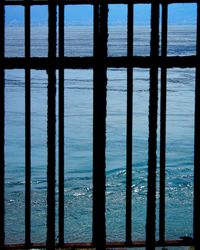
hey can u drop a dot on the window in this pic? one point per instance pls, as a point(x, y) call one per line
point(56, 62)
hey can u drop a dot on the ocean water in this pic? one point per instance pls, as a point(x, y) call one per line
point(78, 138)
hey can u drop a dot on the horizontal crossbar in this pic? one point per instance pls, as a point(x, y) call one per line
point(108, 244)
point(111, 62)
point(74, 2)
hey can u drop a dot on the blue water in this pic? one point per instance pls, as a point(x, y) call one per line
point(78, 138)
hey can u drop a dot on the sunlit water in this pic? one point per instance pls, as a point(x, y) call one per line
point(78, 138)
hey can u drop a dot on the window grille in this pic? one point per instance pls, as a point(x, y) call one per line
point(99, 62)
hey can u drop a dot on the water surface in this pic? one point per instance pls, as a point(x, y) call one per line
point(78, 138)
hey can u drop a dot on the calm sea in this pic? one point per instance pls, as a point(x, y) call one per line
point(78, 138)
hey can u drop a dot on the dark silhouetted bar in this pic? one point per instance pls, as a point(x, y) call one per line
point(51, 127)
point(163, 125)
point(111, 62)
point(153, 106)
point(196, 222)
point(129, 129)
point(99, 62)
point(95, 131)
point(27, 129)
point(78, 2)
point(2, 126)
point(99, 123)
point(109, 245)
point(61, 125)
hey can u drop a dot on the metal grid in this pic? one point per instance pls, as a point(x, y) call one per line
point(99, 62)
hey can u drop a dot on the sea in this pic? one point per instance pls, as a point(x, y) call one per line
point(78, 117)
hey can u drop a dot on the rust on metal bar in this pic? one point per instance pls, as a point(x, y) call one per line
point(129, 128)
point(51, 127)
point(163, 126)
point(2, 125)
point(152, 144)
point(86, 245)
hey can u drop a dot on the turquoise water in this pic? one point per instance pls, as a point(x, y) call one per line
point(78, 138)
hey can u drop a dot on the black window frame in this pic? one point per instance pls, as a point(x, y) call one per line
point(99, 62)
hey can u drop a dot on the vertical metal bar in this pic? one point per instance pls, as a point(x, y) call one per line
point(196, 222)
point(51, 126)
point(27, 128)
point(129, 129)
point(2, 124)
point(99, 123)
point(95, 120)
point(61, 125)
point(153, 106)
point(163, 125)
